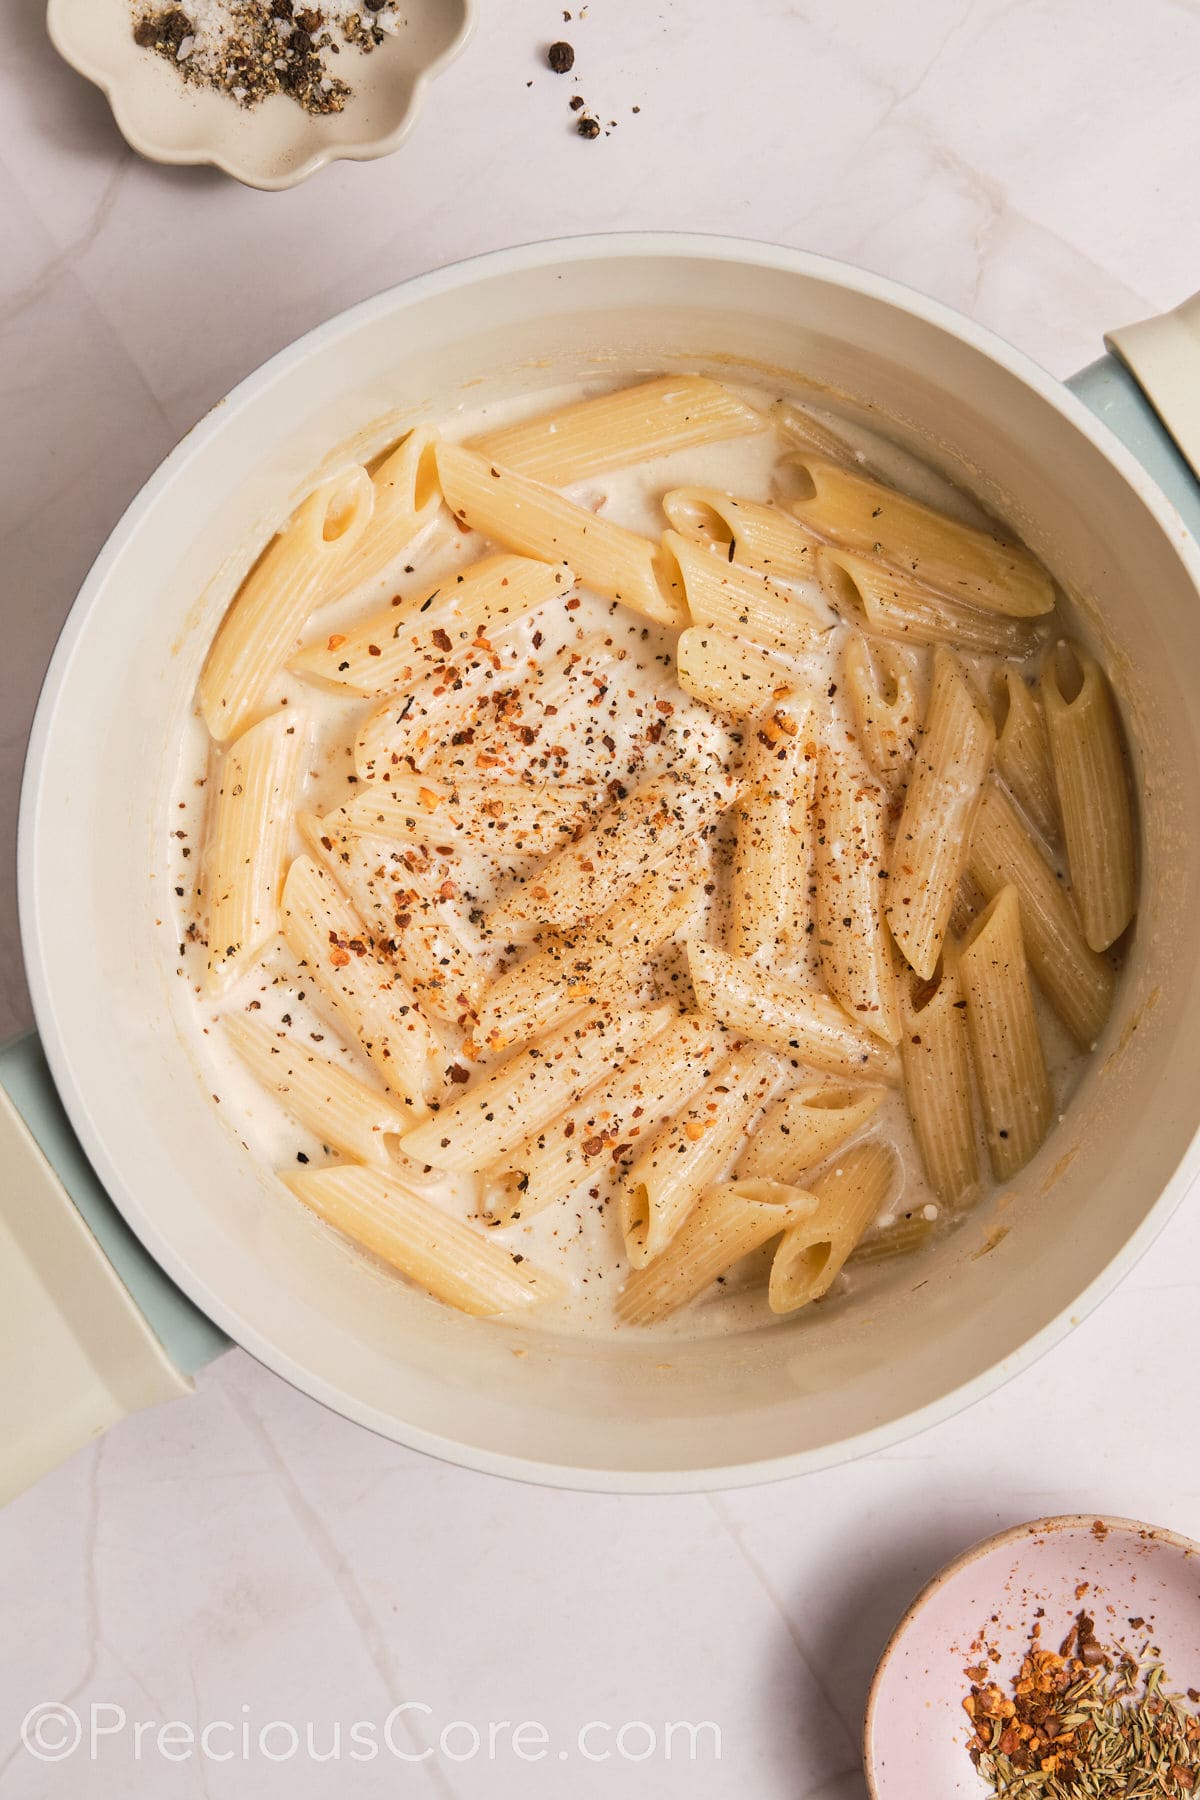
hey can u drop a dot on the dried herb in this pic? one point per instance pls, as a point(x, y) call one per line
point(1084, 1723)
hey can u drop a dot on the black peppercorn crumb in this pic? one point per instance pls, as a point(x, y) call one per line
point(577, 102)
point(588, 128)
point(561, 58)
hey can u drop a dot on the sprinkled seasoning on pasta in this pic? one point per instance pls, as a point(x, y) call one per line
point(648, 875)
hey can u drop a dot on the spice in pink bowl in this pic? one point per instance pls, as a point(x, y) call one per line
point(1061, 1658)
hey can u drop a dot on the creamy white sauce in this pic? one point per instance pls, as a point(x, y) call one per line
point(580, 1239)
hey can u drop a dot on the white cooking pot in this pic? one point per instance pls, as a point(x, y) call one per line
point(629, 1415)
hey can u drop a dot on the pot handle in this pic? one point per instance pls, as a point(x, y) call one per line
point(92, 1329)
point(1163, 356)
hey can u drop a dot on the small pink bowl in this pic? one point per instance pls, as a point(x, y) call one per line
point(915, 1733)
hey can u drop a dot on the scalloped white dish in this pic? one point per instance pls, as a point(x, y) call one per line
point(276, 144)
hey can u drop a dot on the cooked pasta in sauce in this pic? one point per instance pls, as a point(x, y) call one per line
point(659, 850)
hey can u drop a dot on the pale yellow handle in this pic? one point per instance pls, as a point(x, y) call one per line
point(77, 1354)
point(1163, 355)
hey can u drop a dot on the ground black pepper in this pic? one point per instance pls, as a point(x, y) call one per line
point(250, 49)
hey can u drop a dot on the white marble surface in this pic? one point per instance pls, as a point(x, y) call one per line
point(243, 1555)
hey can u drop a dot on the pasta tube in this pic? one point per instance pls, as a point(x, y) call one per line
point(1078, 983)
point(326, 1099)
point(735, 599)
point(731, 674)
point(879, 684)
point(1023, 753)
point(691, 1151)
point(936, 1055)
point(768, 882)
point(406, 916)
point(608, 431)
point(727, 1223)
point(248, 845)
point(503, 1105)
point(762, 538)
point(1011, 1070)
point(625, 841)
point(930, 848)
point(849, 859)
point(397, 647)
point(813, 1253)
point(595, 961)
point(268, 612)
point(1093, 792)
point(612, 1119)
point(887, 604)
point(972, 567)
point(786, 1015)
point(404, 733)
point(801, 1130)
point(445, 1256)
point(327, 938)
point(405, 499)
point(904, 1237)
point(536, 521)
point(505, 817)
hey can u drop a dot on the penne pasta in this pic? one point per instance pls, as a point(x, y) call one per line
point(768, 877)
point(329, 1101)
point(1007, 1051)
point(885, 603)
point(731, 674)
point(400, 901)
point(399, 646)
point(269, 610)
point(598, 1134)
point(973, 567)
point(801, 1130)
point(935, 1053)
point(737, 600)
point(692, 1150)
point(880, 686)
point(608, 431)
point(655, 839)
point(727, 1223)
point(849, 1198)
point(849, 863)
point(405, 498)
point(1023, 753)
point(536, 521)
point(1078, 983)
point(1093, 792)
point(969, 902)
point(595, 961)
point(904, 1237)
point(929, 853)
point(327, 938)
point(763, 539)
point(503, 1105)
point(405, 1229)
point(624, 842)
point(403, 734)
point(864, 453)
point(506, 817)
point(246, 854)
point(806, 430)
point(785, 1014)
